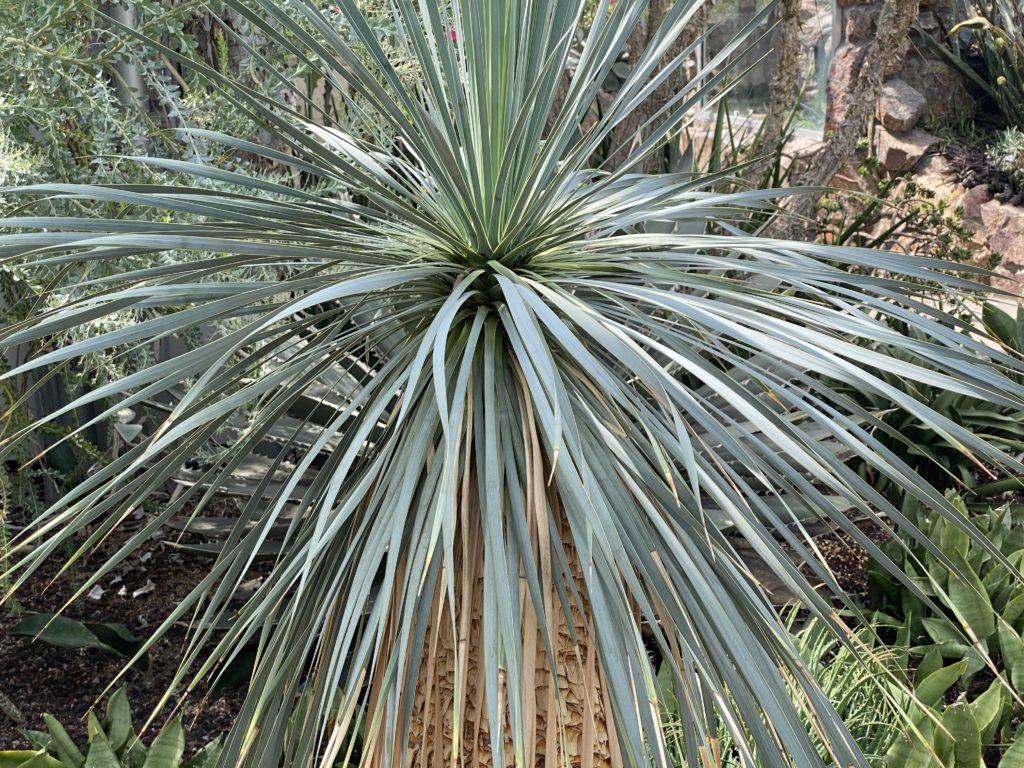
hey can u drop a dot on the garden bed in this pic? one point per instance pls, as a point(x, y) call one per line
point(40, 678)
point(65, 683)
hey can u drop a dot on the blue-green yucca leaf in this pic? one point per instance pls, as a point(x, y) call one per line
point(513, 420)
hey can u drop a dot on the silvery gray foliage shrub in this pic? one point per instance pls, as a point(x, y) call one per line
point(66, 117)
point(1008, 156)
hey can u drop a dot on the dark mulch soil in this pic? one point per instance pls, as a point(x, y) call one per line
point(848, 560)
point(38, 678)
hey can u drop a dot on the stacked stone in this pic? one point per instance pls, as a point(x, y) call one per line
point(924, 91)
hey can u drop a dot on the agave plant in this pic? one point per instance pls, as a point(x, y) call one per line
point(538, 392)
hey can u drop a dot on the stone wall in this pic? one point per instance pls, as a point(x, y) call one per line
point(997, 228)
point(922, 95)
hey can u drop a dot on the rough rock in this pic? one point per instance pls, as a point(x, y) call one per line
point(1007, 277)
point(900, 106)
point(851, 179)
point(971, 202)
point(895, 63)
point(798, 153)
point(902, 152)
point(860, 24)
point(946, 97)
point(945, 94)
point(934, 172)
point(930, 23)
point(1004, 228)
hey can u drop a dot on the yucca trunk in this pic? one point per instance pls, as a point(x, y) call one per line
point(569, 711)
point(570, 723)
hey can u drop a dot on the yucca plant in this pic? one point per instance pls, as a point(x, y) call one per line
point(534, 391)
point(861, 679)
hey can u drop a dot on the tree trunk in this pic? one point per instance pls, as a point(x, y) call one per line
point(569, 711)
point(784, 91)
point(131, 86)
point(629, 132)
point(885, 54)
point(569, 717)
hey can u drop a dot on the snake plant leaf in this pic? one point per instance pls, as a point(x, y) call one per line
point(958, 738)
point(945, 633)
point(1013, 757)
point(168, 747)
point(1014, 606)
point(101, 755)
point(988, 710)
point(213, 527)
point(969, 600)
point(953, 540)
point(38, 739)
point(933, 687)
point(998, 582)
point(1002, 325)
point(28, 759)
point(997, 487)
point(238, 670)
point(1011, 646)
point(206, 757)
point(931, 662)
point(269, 550)
point(62, 744)
point(110, 638)
point(117, 724)
point(94, 728)
point(913, 749)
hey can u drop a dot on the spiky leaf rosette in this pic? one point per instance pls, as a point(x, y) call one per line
point(540, 391)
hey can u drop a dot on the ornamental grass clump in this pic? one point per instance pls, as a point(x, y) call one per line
point(520, 398)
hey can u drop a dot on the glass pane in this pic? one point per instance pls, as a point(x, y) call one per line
point(753, 68)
